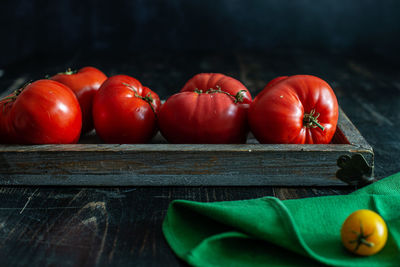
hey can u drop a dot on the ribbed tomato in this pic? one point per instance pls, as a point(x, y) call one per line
point(300, 109)
point(43, 112)
point(84, 83)
point(206, 81)
point(124, 111)
point(210, 109)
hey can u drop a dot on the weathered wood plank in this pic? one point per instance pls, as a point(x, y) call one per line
point(177, 168)
point(171, 148)
point(350, 133)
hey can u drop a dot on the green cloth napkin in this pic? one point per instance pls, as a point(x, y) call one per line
point(268, 231)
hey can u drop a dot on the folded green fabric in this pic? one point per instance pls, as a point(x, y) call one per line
point(267, 231)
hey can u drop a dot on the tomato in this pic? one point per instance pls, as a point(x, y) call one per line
point(43, 112)
point(206, 81)
point(124, 111)
point(210, 109)
point(84, 83)
point(364, 233)
point(300, 109)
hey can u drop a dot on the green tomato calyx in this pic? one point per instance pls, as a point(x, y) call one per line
point(310, 120)
point(238, 98)
point(148, 98)
point(361, 238)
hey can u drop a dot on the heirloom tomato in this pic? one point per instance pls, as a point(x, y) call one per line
point(210, 109)
point(364, 233)
point(124, 111)
point(84, 83)
point(300, 109)
point(206, 81)
point(42, 112)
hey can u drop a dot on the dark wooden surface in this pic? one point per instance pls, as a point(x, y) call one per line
point(50, 226)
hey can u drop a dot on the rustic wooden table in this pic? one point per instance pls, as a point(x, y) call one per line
point(70, 226)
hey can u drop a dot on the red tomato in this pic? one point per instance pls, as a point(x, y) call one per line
point(300, 109)
point(44, 112)
point(124, 111)
point(84, 83)
point(209, 110)
point(205, 81)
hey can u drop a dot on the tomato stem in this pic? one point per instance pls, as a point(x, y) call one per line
point(238, 97)
point(69, 71)
point(148, 98)
point(365, 242)
point(310, 120)
point(361, 239)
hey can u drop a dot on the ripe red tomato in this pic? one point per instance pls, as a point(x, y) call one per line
point(124, 111)
point(44, 112)
point(84, 83)
point(206, 81)
point(210, 109)
point(300, 109)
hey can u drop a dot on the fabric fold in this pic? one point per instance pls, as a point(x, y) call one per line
point(262, 231)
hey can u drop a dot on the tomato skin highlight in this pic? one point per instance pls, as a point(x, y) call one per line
point(364, 233)
point(205, 111)
point(120, 114)
point(45, 112)
point(85, 84)
point(283, 111)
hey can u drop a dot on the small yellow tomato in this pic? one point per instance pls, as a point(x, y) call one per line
point(364, 233)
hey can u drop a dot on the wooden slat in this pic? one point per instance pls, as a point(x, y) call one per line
point(174, 148)
point(351, 133)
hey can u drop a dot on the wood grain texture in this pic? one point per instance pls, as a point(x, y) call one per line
point(102, 226)
point(121, 226)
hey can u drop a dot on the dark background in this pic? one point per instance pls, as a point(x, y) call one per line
point(67, 27)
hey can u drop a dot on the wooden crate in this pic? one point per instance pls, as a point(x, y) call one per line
point(162, 164)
